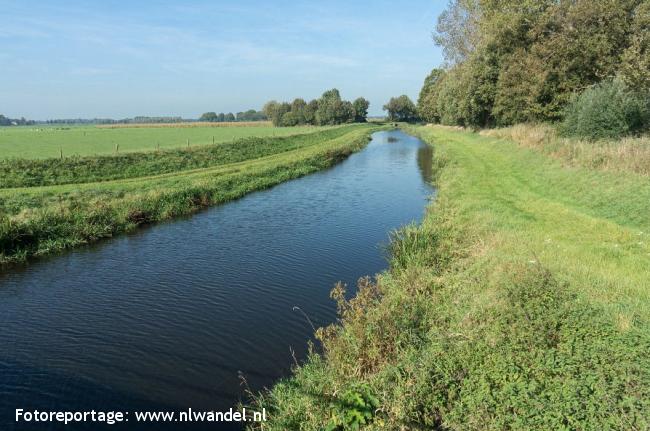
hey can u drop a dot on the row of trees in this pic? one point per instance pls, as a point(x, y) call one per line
point(250, 115)
point(329, 109)
point(511, 61)
point(135, 120)
point(5, 121)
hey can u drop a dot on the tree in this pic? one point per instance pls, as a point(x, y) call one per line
point(346, 113)
point(329, 108)
point(250, 115)
point(510, 61)
point(289, 119)
point(401, 109)
point(269, 108)
point(230, 117)
point(298, 107)
point(635, 66)
point(457, 30)
point(428, 98)
point(209, 116)
point(310, 112)
point(274, 111)
point(360, 106)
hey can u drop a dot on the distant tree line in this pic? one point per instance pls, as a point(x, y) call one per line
point(329, 109)
point(134, 120)
point(4, 121)
point(250, 115)
point(511, 61)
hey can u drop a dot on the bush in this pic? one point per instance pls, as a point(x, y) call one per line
point(607, 110)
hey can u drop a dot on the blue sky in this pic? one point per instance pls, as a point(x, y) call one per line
point(124, 58)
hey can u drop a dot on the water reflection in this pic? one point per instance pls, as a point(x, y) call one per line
point(425, 162)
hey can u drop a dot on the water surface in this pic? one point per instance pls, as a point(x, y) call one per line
point(171, 316)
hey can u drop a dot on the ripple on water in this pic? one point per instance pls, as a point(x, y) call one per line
point(169, 315)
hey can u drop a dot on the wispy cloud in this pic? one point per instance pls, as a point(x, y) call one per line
point(227, 52)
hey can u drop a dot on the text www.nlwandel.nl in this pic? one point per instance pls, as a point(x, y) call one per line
point(119, 417)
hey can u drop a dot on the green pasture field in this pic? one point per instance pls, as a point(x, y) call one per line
point(40, 142)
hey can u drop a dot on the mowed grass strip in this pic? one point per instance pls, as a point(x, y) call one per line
point(520, 302)
point(591, 226)
point(42, 142)
point(39, 220)
point(53, 171)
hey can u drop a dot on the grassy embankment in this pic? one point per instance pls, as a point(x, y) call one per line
point(40, 142)
point(522, 301)
point(72, 202)
point(631, 154)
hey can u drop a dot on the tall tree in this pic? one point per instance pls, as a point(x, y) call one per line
point(209, 116)
point(360, 106)
point(635, 66)
point(310, 112)
point(428, 98)
point(401, 109)
point(522, 60)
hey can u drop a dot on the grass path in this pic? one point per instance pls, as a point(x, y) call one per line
point(592, 227)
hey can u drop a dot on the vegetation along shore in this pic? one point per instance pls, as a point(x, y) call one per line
point(520, 302)
point(56, 204)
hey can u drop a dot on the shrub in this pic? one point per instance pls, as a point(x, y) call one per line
point(607, 110)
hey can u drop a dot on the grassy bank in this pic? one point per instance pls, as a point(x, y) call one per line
point(520, 302)
point(41, 142)
point(71, 170)
point(631, 154)
point(39, 220)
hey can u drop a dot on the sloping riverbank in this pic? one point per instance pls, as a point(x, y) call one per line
point(39, 220)
point(520, 302)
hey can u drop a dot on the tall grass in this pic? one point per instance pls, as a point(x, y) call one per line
point(631, 154)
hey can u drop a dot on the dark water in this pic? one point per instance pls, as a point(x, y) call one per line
point(169, 317)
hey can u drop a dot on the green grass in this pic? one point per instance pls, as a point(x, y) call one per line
point(40, 142)
point(69, 170)
point(39, 220)
point(522, 301)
